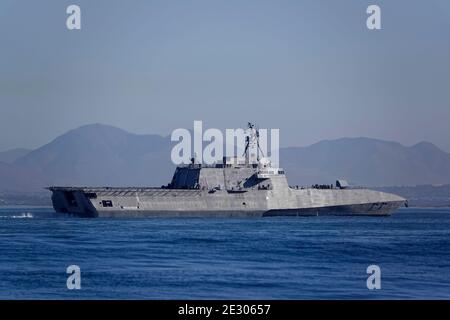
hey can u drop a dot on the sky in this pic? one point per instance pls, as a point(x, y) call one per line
point(310, 68)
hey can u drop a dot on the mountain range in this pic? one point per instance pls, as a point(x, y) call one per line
point(103, 155)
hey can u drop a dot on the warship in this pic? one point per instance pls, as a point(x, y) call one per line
point(242, 186)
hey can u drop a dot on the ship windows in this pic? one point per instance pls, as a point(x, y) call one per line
point(107, 203)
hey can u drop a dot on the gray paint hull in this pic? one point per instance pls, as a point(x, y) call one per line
point(155, 202)
point(368, 209)
point(345, 210)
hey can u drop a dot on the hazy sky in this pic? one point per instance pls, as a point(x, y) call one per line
point(310, 68)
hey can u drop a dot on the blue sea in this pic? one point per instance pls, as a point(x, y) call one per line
point(266, 258)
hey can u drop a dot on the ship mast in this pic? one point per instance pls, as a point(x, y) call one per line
point(252, 147)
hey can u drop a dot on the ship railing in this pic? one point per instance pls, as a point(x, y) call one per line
point(325, 187)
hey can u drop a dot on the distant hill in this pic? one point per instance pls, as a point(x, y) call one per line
point(9, 156)
point(104, 156)
point(365, 161)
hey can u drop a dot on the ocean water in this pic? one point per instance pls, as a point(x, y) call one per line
point(266, 258)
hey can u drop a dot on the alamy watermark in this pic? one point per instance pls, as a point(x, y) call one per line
point(210, 147)
point(73, 21)
point(374, 280)
point(373, 22)
point(74, 279)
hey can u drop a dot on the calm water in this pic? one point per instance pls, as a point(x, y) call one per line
point(267, 258)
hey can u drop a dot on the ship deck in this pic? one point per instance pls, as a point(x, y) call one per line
point(129, 191)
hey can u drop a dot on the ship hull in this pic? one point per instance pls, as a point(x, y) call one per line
point(369, 209)
point(365, 209)
point(161, 203)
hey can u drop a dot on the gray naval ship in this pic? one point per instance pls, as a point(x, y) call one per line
point(237, 187)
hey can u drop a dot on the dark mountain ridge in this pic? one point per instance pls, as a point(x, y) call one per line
point(103, 155)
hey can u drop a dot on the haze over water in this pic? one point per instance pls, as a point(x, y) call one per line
point(267, 258)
